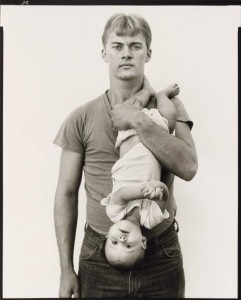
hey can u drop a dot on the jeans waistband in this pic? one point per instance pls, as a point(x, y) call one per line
point(153, 245)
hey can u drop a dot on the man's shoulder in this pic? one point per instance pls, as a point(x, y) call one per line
point(90, 104)
point(88, 107)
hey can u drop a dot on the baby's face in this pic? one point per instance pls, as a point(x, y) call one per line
point(125, 243)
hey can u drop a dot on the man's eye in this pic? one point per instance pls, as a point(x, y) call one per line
point(136, 47)
point(117, 47)
point(128, 246)
point(114, 242)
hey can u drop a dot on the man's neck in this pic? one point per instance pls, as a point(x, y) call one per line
point(122, 90)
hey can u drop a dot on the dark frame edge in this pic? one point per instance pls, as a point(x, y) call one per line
point(1, 153)
point(239, 123)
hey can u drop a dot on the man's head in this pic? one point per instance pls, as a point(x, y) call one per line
point(126, 41)
point(127, 25)
point(125, 245)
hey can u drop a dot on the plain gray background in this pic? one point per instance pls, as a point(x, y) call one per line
point(52, 64)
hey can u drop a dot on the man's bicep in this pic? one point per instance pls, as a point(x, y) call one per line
point(70, 171)
point(183, 132)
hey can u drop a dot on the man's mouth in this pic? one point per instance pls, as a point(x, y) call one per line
point(126, 65)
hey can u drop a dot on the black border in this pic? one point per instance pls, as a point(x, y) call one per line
point(239, 123)
point(121, 2)
point(1, 153)
point(113, 3)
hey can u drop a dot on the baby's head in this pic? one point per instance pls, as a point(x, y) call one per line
point(125, 245)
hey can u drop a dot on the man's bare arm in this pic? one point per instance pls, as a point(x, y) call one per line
point(176, 153)
point(65, 217)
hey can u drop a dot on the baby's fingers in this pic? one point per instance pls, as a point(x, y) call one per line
point(147, 194)
point(152, 195)
point(159, 193)
point(147, 189)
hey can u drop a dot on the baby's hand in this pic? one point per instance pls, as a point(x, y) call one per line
point(151, 192)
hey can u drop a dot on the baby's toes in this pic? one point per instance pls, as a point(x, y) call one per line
point(177, 90)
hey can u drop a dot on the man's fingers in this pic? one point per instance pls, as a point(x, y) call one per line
point(76, 292)
point(76, 295)
point(65, 295)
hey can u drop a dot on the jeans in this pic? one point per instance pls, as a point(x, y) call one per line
point(160, 275)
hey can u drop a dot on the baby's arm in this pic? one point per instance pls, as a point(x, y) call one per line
point(142, 97)
point(153, 190)
point(125, 194)
point(160, 190)
point(166, 107)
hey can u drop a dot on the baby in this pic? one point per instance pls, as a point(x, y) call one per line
point(138, 196)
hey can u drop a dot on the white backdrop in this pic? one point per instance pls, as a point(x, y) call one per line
point(52, 64)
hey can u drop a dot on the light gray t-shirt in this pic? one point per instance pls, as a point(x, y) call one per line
point(87, 130)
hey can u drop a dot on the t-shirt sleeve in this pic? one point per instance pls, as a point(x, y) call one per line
point(182, 115)
point(70, 134)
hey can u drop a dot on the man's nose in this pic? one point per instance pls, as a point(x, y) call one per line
point(126, 53)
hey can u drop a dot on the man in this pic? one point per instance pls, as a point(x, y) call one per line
point(88, 137)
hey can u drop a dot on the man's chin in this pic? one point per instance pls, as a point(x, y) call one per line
point(127, 77)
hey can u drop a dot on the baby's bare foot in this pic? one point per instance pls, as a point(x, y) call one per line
point(171, 91)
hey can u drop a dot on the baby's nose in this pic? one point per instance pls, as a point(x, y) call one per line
point(122, 238)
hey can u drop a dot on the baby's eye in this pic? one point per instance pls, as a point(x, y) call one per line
point(114, 242)
point(128, 246)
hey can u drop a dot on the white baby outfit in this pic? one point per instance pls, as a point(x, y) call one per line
point(136, 166)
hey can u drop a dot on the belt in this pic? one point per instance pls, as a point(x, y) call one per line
point(154, 244)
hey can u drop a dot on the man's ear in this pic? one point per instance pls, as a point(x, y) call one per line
point(144, 243)
point(103, 54)
point(148, 57)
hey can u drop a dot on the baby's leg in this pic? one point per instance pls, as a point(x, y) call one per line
point(170, 91)
point(142, 97)
point(166, 107)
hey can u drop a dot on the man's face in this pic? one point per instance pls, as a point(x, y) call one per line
point(126, 56)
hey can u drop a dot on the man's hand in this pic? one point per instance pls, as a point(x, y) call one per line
point(69, 284)
point(123, 115)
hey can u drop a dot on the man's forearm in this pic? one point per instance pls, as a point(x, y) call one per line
point(174, 153)
point(65, 218)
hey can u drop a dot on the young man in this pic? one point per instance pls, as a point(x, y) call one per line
point(88, 141)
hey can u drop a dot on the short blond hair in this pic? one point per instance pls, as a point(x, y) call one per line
point(127, 25)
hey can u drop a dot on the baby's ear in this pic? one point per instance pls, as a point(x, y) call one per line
point(144, 243)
